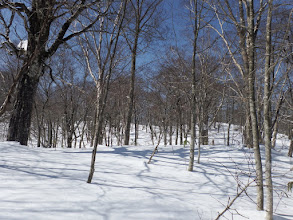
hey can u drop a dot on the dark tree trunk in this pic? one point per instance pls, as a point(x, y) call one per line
point(131, 95)
point(69, 140)
point(20, 121)
point(248, 133)
point(204, 132)
point(290, 136)
point(177, 133)
point(181, 134)
point(50, 134)
point(136, 126)
point(228, 135)
point(170, 134)
point(290, 148)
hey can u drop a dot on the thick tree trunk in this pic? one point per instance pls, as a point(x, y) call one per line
point(274, 135)
point(20, 121)
point(248, 132)
point(69, 141)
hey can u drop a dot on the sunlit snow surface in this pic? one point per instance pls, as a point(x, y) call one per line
point(51, 183)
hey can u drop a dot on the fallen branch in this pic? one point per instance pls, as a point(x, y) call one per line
point(232, 201)
point(156, 148)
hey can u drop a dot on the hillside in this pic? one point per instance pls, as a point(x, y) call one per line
point(39, 183)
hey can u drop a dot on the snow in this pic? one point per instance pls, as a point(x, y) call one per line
point(40, 183)
point(23, 45)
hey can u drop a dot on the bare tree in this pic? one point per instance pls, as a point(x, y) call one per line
point(103, 47)
point(47, 25)
point(142, 23)
point(196, 23)
point(246, 22)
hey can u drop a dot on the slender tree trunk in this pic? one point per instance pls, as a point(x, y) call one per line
point(50, 133)
point(267, 116)
point(165, 130)
point(228, 133)
point(136, 126)
point(99, 110)
point(193, 92)
point(177, 133)
point(252, 104)
point(39, 136)
point(170, 133)
point(290, 148)
point(152, 132)
point(290, 136)
point(181, 132)
point(102, 95)
point(97, 138)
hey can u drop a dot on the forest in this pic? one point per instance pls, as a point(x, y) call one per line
point(86, 73)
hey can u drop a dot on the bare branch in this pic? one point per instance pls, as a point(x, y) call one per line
point(60, 38)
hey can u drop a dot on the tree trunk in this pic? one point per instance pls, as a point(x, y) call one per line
point(228, 133)
point(274, 135)
point(290, 148)
point(152, 132)
point(181, 133)
point(204, 132)
point(50, 133)
point(290, 136)
point(248, 132)
point(177, 133)
point(20, 121)
point(165, 130)
point(131, 92)
point(170, 134)
point(136, 126)
point(252, 104)
point(267, 116)
point(193, 92)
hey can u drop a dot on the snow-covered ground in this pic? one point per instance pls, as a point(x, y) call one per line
point(39, 183)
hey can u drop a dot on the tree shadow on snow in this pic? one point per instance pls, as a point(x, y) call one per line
point(282, 217)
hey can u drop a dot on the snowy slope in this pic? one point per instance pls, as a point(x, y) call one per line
point(51, 183)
